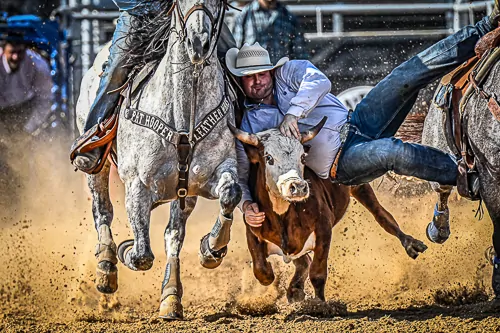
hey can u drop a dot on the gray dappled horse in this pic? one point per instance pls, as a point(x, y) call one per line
point(171, 105)
point(484, 136)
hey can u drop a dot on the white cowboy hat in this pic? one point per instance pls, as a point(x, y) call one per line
point(250, 59)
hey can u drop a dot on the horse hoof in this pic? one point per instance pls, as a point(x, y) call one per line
point(106, 277)
point(294, 295)
point(208, 258)
point(123, 249)
point(435, 235)
point(171, 308)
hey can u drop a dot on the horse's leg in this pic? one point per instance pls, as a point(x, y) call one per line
point(262, 269)
point(295, 291)
point(366, 196)
point(138, 201)
point(171, 294)
point(438, 230)
point(224, 186)
point(102, 210)
point(490, 193)
point(318, 271)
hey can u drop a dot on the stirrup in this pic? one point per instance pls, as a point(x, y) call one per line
point(105, 132)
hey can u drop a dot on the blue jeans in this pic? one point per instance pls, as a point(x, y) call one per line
point(114, 75)
point(371, 150)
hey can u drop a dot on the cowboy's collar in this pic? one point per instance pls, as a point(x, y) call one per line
point(250, 105)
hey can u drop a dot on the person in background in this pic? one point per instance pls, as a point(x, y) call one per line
point(269, 23)
point(25, 86)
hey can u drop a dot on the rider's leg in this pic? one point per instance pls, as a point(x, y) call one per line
point(383, 110)
point(114, 76)
point(370, 159)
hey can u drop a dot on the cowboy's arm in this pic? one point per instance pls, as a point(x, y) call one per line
point(310, 84)
point(41, 103)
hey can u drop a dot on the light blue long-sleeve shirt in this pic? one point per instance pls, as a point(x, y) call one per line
point(299, 89)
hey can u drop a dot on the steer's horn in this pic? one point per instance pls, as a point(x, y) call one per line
point(309, 135)
point(243, 136)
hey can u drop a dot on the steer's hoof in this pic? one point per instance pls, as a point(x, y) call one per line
point(294, 295)
point(436, 235)
point(106, 277)
point(171, 308)
point(208, 258)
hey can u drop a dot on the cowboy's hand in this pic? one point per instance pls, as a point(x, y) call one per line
point(253, 217)
point(289, 127)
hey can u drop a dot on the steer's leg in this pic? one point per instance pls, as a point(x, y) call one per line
point(295, 291)
point(262, 269)
point(102, 209)
point(318, 271)
point(224, 186)
point(438, 231)
point(365, 195)
point(171, 293)
point(138, 201)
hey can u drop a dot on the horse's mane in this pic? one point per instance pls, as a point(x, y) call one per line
point(147, 39)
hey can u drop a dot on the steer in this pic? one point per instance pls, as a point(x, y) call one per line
point(300, 210)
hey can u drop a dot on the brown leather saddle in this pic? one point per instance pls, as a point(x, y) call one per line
point(452, 95)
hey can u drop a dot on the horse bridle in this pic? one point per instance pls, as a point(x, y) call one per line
point(216, 23)
point(186, 140)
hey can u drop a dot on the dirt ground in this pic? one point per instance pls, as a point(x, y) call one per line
point(47, 268)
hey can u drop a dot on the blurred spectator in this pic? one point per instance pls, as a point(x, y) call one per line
point(271, 25)
point(25, 86)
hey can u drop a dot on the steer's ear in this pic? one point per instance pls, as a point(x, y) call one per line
point(309, 135)
point(249, 139)
point(252, 153)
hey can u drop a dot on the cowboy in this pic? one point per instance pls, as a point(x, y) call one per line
point(294, 95)
point(115, 74)
point(25, 86)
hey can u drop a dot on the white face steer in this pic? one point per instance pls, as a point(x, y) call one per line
point(284, 162)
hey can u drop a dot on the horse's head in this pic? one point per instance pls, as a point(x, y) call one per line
point(283, 159)
point(200, 22)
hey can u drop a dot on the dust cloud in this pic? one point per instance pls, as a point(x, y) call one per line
point(47, 267)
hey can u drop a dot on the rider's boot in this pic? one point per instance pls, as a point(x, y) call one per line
point(494, 16)
point(113, 77)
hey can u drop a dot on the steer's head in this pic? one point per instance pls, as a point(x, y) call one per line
point(283, 159)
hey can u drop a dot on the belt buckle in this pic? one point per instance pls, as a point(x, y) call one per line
point(182, 193)
point(344, 132)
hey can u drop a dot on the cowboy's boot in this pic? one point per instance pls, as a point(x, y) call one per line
point(494, 16)
point(113, 77)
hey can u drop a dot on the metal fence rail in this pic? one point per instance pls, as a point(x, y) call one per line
point(452, 11)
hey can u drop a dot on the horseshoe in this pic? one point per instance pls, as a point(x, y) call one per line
point(122, 248)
